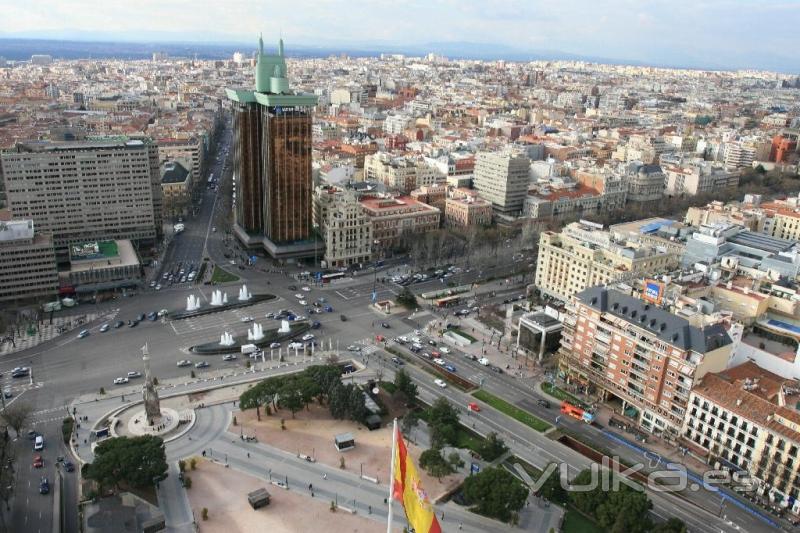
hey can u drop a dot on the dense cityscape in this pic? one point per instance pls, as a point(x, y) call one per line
point(548, 295)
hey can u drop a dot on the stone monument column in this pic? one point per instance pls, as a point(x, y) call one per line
point(152, 405)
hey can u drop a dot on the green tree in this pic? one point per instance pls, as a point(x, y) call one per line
point(443, 423)
point(493, 447)
point(133, 461)
point(356, 404)
point(406, 388)
point(290, 397)
point(407, 299)
point(495, 493)
point(552, 490)
point(434, 463)
point(673, 525)
point(410, 421)
point(455, 460)
point(337, 401)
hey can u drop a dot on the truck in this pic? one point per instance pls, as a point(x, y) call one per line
point(247, 349)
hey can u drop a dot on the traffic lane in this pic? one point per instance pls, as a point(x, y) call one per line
point(540, 451)
point(32, 510)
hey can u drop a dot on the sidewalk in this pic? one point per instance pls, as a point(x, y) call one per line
point(46, 331)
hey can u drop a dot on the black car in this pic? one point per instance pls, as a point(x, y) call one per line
point(385, 325)
point(496, 369)
point(44, 486)
point(118, 324)
point(292, 287)
point(133, 323)
point(544, 403)
point(68, 466)
point(343, 318)
point(397, 361)
point(152, 316)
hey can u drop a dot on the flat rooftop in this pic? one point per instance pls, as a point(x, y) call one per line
point(125, 256)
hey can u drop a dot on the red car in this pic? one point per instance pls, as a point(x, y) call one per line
point(434, 353)
point(472, 406)
point(380, 338)
point(38, 462)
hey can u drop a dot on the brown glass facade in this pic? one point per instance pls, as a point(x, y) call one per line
point(247, 167)
point(287, 172)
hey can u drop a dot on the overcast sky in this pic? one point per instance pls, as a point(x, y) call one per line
point(691, 32)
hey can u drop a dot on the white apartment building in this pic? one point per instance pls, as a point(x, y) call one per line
point(82, 191)
point(584, 255)
point(396, 124)
point(698, 178)
point(401, 173)
point(503, 180)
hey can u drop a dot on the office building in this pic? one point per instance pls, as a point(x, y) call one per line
point(27, 262)
point(502, 179)
point(84, 190)
point(584, 255)
point(745, 418)
point(645, 183)
point(344, 226)
point(402, 174)
point(467, 210)
point(639, 355)
point(98, 266)
point(396, 218)
point(698, 178)
point(272, 162)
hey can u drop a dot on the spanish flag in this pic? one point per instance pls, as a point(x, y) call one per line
point(407, 489)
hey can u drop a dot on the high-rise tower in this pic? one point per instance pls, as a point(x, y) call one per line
point(272, 162)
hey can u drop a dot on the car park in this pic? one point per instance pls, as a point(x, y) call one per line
point(120, 381)
point(163, 312)
point(296, 346)
point(184, 362)
point(83, 334)
point(105, 327)
point(440, 383)
point(201, 364)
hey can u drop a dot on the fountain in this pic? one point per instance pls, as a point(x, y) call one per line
point(226, 339)
point(256, 333)
point(284, 327)
point(218, 298)
point(192, 303)
point(244, 295)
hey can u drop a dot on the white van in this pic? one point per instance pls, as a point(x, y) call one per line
point(38, 444)
point(483, 361)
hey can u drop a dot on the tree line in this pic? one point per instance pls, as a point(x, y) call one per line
point(294, 392)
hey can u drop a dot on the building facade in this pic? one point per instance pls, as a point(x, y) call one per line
point(503, 180)
point(176, 187)
point(744, 419)
point(584, 255)
point(27, 262)
point(639, 354)
point(344, 226)
point(396, 218)
point(272, 162)
point(77, 191)
point(467, 211)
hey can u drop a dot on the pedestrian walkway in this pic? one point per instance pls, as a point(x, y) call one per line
point(46, 331)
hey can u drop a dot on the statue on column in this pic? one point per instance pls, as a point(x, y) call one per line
point(152, 405)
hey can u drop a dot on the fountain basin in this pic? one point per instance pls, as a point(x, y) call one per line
point(254, 299)
point(270, 336)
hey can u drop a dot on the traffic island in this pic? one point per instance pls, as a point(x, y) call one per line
point(237, 304)
point(236, 343)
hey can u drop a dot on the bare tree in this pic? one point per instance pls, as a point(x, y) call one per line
point(17, 416)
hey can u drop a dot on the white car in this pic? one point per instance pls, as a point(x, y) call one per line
point(134, 374)
point(158, 287)
point(444, 349)
point(228, 357)
point(403, 339)
point(308, 337)
point(439, 362)
point(296, 346)
point(483, 361)
point(305, 289)
point(247, 319)
point(416, 340)
point(104, 328)
point(353, 348)
point(184, 362)
point(440, 383)
point(299, 317)
point(302, 302)
point(299, 296)
point(120, 381)
point(275, 345)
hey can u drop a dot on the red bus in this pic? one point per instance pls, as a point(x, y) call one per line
point(577, 412)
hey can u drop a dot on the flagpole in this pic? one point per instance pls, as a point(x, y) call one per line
point(391, 477)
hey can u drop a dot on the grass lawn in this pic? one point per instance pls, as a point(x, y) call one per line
point(388, 386)
point(561, 394)
point(513, 411)
point(463, 334)
point(575, 522)
point(222, 276)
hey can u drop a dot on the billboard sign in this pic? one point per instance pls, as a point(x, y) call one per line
point(653, 291)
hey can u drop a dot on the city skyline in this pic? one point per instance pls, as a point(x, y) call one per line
point(716, 34)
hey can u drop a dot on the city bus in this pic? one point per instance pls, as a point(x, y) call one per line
point(327, 278)
point(577, 412)
point(448, 301)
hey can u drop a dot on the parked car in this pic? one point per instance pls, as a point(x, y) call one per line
point(439, 362)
